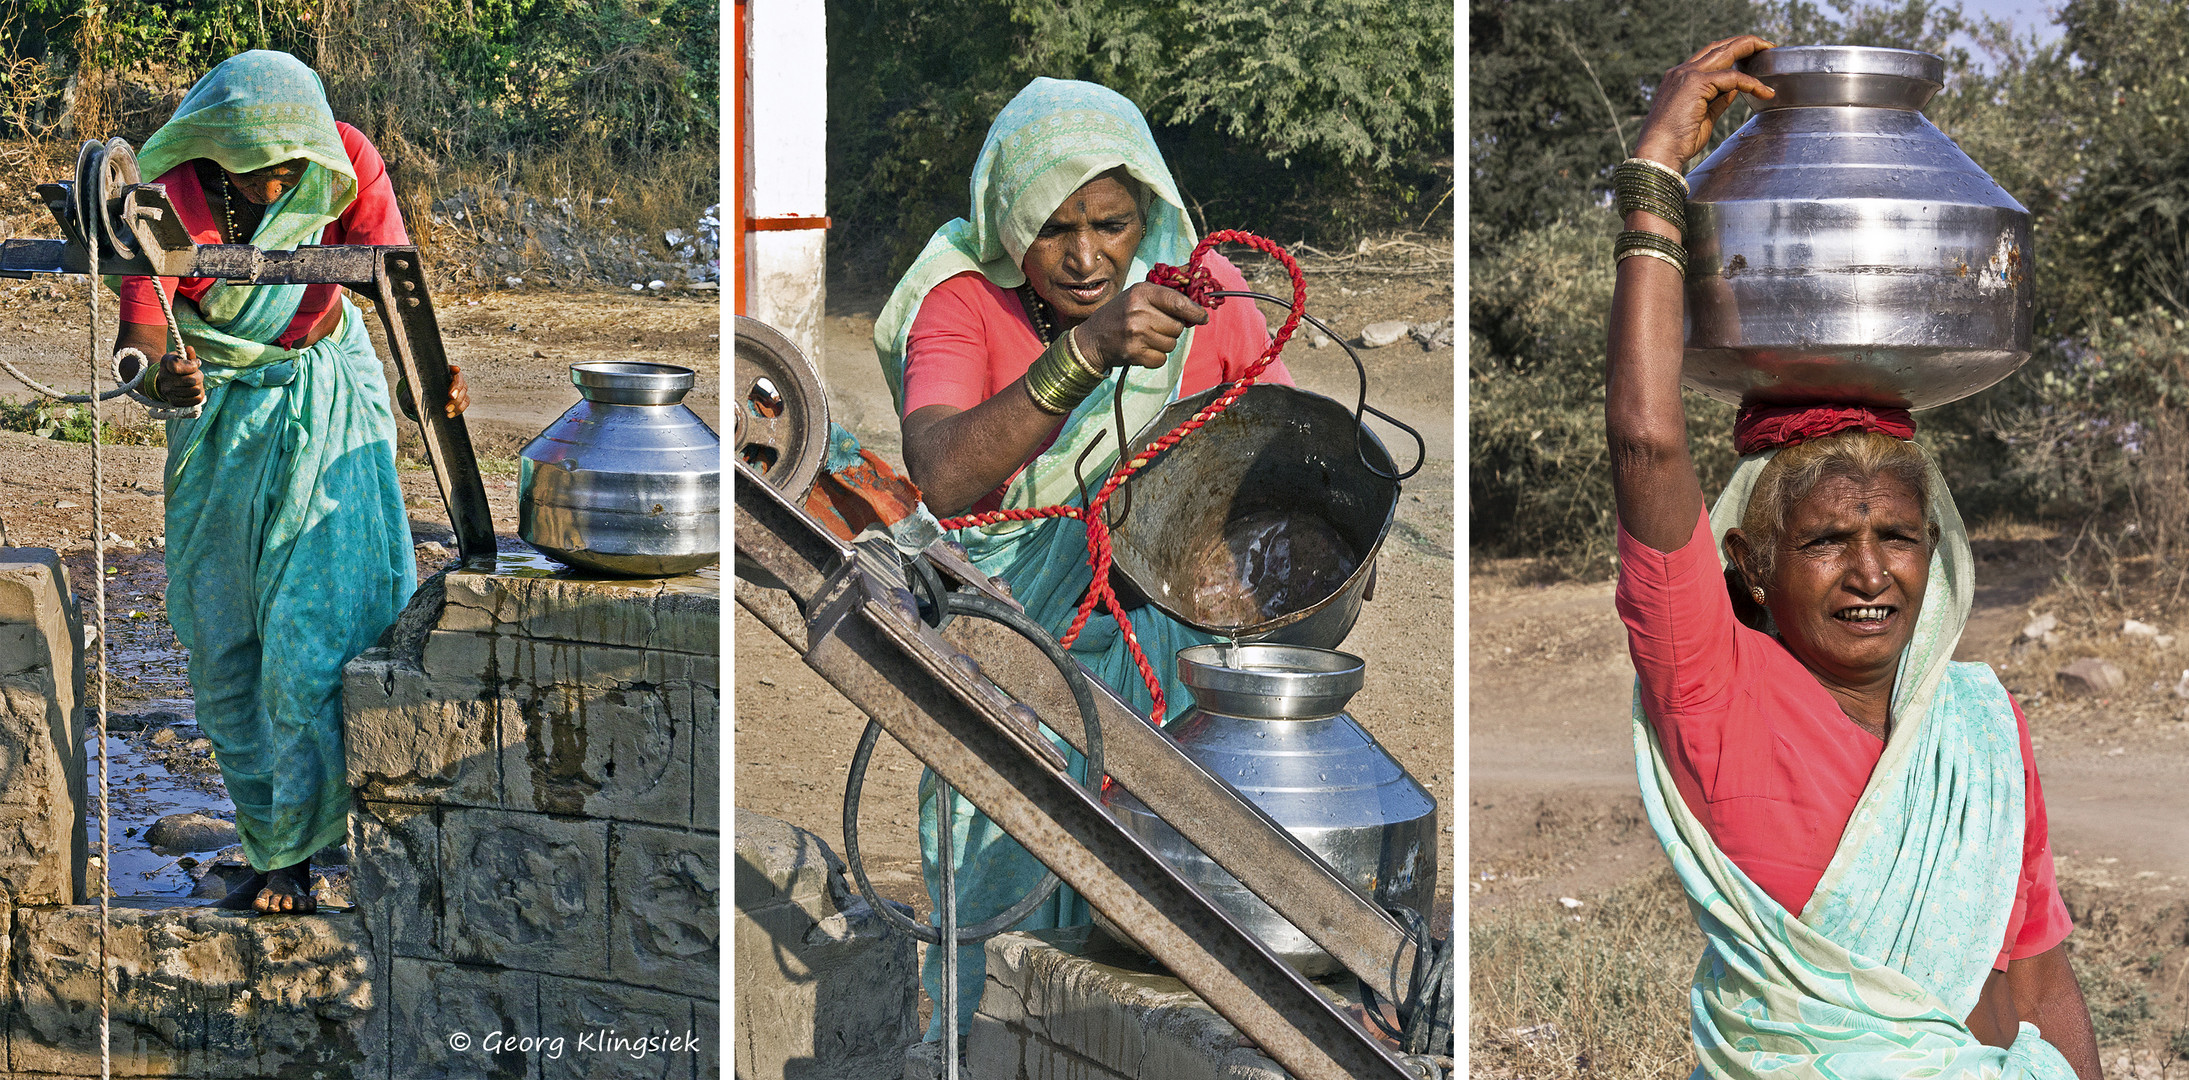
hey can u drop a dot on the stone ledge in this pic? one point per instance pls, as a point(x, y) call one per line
point(824, 986)
point(1071, 1003)
point(681, 614)
point(199, 992)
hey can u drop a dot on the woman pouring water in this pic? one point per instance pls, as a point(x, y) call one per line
point(1856, 819)
point(1004, 344)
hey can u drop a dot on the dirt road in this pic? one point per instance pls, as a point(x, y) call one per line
point(795, 734)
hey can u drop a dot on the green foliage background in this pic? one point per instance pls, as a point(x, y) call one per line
point(2087, 132)
point(1319, 119)
point(473, 76)
point(482, 99)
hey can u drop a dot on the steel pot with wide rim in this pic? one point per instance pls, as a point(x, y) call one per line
point(1264, 524)
point(629, 480)
point(1842, 249)
point(1270, 721)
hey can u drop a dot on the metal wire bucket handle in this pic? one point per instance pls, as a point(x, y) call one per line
point(1421, 446)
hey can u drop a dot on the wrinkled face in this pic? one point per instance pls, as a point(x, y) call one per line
point(1079, 259)
point(1853, 560)
point(267, 184)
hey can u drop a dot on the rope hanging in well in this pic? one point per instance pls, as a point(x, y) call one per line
point(98, 570)
point(1198, 284)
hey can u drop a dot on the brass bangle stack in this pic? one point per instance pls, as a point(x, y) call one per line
point(1061, 378)
point(1652, 188)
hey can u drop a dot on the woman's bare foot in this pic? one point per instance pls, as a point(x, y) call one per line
point(288, 891)
point(240, 897)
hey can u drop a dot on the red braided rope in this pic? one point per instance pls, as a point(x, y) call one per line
point(1197, 283)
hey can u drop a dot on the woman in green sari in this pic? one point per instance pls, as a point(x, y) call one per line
point(1856, 819)
point(1004, 344)
point(288, 548)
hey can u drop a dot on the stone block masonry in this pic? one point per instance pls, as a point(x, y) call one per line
point(42, 731)
point(536, 845)
point(1068, 1003)
point(825, 987)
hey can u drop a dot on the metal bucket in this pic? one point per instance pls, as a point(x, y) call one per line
point(1263, 525)
point(1270, 721)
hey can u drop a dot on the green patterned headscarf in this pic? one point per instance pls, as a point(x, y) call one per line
point(1052, 138)
point(253, 110)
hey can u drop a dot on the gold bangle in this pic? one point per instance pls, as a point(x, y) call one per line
point(1058, 383)
point(1644, 242)
point(1654, 254)
point(1636, 187)
point(1663, 168)
point(1071, 345)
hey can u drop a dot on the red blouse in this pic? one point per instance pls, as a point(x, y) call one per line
point(972, 339)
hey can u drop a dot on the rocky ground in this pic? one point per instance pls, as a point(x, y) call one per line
point(1554, 815)
point(515, 347)
point(795, 733)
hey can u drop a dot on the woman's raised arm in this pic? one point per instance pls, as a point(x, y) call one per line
point(1645, 424)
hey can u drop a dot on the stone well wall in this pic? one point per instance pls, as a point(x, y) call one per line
point(536, 844)
point(535, 850)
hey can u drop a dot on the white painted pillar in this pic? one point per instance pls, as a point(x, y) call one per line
point(786, 201)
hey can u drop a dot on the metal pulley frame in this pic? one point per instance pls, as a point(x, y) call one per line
point(137, 232)
point(848, 613)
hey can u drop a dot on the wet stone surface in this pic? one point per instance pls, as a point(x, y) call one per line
point(146, 782)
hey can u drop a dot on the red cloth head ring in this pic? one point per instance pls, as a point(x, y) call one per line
point(1770, 427)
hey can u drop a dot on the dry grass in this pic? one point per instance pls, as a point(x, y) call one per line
point(1602, 991)
point(1599, 991)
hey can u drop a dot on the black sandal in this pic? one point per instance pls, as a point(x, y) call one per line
point(291, 883)
point(240, 897)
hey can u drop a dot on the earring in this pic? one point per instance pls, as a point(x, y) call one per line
point(1757, 592)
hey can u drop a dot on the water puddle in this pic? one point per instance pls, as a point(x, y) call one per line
point(165, 768)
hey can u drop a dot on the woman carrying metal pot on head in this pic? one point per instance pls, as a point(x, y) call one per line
point(1004, 344)
point(288, 548)
point(1856, 819)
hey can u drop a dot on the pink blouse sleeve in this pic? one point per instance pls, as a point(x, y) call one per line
point(1680, 625)
point(946, 355)
point(2039, 908)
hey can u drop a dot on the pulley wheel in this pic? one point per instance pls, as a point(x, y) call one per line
point(102, 171)
point(782, 422)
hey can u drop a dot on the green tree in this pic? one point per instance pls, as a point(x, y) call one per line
point(1316, 119)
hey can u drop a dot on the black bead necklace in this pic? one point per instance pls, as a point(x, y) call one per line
point(228, 207)
point(1037, 311)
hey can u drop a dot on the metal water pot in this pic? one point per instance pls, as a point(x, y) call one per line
point(1270, 720)
point(629, 480)
point(1842, 249)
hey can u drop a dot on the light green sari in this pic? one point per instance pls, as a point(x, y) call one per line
point(288, 549)
point(1052, 138)
point(1873, 980)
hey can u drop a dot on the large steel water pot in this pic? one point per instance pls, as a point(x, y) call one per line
point(1842, 249)
point(629, 480)
point(1271, 721)
point(1264, 524)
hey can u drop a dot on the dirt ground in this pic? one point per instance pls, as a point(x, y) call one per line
point(514, 347)
point(1554, 811)
point(795, 734)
